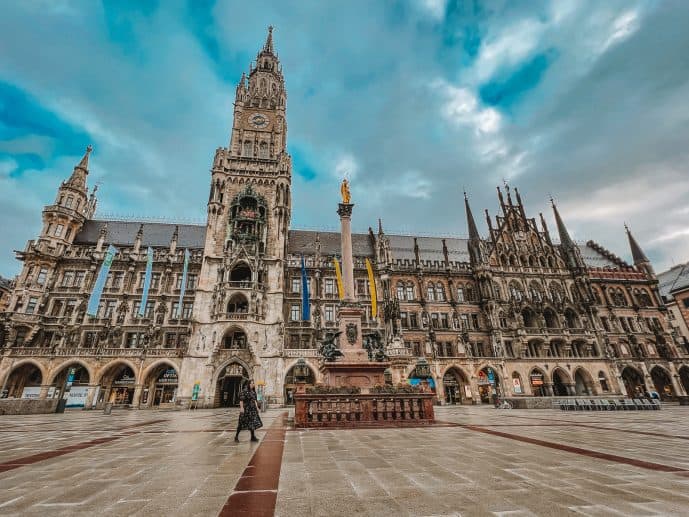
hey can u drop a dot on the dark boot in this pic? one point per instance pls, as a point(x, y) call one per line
point(236, 437)
point(253, 437)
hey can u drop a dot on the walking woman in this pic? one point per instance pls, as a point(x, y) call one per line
point(249, 418)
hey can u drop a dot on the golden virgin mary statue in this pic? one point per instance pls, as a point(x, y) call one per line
point(344, 190)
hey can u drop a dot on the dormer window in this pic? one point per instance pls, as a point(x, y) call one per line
point(69, 201)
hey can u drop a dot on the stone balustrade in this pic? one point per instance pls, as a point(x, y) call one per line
point(343, 410)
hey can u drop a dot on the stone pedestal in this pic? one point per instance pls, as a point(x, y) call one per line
point(362, 375)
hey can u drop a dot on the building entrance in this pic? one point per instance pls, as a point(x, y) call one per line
point(230, 385)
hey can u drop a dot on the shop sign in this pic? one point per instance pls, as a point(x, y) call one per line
point(516, 385)
point(31, 392)
point(467, 391)
point(169, 376)
point(70, 376)
point(125, 379)
point(536, 379)
point(482, 379)
point(77, 396)
point(491, 376)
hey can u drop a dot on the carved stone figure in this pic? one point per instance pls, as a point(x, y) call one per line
point(373, 344)
point(352, 332)
point(328, 349)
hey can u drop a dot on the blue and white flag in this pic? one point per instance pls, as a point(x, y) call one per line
point(147, 282)
point(183, 287)
point(94, 300)
point(305, 307)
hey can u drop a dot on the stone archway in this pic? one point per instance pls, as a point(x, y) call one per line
point(537, 379)
point(160, 385)
point(74, 379)
point(663, 383)
point(117, 384)
point(633, 381)
point(684, 377)
point(561, 383)
point(456, 387)
point(229, 384)
point(489, 385)
point(290, 387)
point(24, 381)
point(583, 382)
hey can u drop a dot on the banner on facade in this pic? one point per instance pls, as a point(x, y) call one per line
point(372, 289)
point(305, 304)
point(147, 282)
point(338, 276)
point(77, 396)
point(183, 287)
point(94, 300)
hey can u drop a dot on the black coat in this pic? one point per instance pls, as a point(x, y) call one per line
point(250, 419)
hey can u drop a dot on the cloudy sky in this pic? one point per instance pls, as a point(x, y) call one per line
point(416, 100)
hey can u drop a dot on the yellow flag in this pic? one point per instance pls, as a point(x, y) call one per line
point(372, 289)
point(338, 275)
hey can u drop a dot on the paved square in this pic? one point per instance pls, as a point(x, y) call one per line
point(481, 461)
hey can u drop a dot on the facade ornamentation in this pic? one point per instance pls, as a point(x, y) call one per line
point(513, 311)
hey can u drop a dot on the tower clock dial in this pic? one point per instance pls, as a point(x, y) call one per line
point(258, 120)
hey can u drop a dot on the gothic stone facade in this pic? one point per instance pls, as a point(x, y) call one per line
point(513, 313)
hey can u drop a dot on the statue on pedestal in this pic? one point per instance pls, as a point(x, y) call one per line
point(373, 344)
point(344, 191)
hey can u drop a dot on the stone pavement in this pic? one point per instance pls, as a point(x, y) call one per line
point(480, 461)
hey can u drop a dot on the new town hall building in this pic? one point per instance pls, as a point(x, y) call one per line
point(513, 312)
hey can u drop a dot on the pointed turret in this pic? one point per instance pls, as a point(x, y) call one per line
point(546, 233)
point(640, 259)
point(268, 47)
point(568, 249)
point(473, 231)
point(565, 239)
point(78, 178)
point(380, 226)
point(174, 240)
point(92, 203)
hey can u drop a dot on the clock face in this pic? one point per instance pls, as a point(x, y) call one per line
point(258, 121)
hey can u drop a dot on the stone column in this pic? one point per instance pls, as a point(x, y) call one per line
point(571, 390)
point(88, 402)
point(549, 389)
point(44, 391)
point(345, 212)
point(137, 395)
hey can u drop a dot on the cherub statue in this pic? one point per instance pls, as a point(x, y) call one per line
point(328, 349)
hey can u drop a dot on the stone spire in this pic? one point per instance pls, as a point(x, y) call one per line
point(78, 178)
point(546, 233)
point(473, 231)
point(640, 259)
point(565, 239)
point(268, 47)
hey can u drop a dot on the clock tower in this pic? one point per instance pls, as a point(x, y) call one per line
point(238, 309)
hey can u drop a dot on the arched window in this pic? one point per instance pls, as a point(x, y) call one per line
point(237, 304)
point(263, 150)
point(550, 319)
point(571, 319)
point(400, 291)
point(618, 297)
point(430, 292)
point(516, 292)
point(69, 201)
point(557, 293)
point(535, 291)
point(460, 294)
point(470, 293)
point(410, 291)
point(496, 291)
point(439, 292)
point(248, 149)
point(241, 274)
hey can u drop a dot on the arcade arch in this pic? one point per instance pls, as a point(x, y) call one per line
point(684, 377)
point(560, 383)
point(583, 382)
point(291, 384)
point(117, 384)
point(160, 385)
point(73, 378)
point(229, 385)
point(24, 381)
point(488, 384)
point(456, 387)
point(633, 381)
point(663, 383)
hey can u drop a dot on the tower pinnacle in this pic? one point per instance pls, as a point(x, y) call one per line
point(268, 47)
